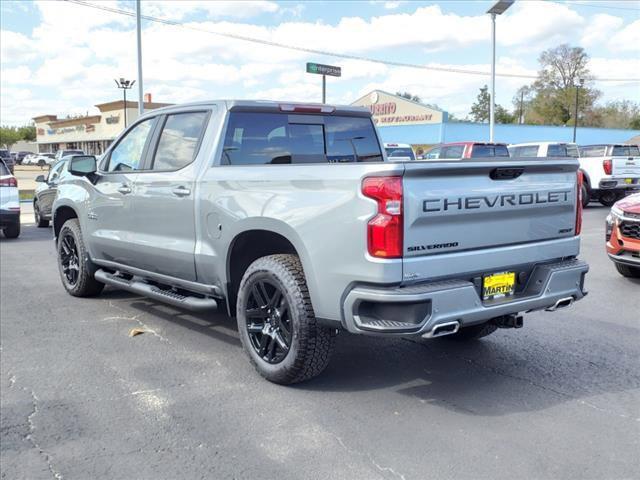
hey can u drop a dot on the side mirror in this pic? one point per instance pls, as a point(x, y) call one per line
point(40, 179)
point(83, 165)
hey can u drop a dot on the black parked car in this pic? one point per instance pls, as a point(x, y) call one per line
point(46, 190)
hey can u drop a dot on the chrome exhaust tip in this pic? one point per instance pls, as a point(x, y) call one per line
point(443, 329)
point(562, 303)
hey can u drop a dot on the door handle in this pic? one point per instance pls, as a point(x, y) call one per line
point(124, 189)
point(181, 191)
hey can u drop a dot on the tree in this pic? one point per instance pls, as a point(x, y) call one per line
point(480, 109)
point(28, 133)
point(616, 114)
point(561, 70)
point(9, 136)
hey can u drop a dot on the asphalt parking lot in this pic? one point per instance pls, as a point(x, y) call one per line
point(81, 399)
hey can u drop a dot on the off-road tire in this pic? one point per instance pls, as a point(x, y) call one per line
point(473, 332)
point(86, 285)
point(40, 222)
point(311, 344)
point(13, 231)
point(610, 201)
point(586, 195)
point(627, 270)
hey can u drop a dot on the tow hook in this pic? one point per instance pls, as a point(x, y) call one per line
point(509, 321)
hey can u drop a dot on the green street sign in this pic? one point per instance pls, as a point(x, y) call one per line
point(321, 69)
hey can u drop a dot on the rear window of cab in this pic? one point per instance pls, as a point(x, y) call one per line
point(256, 138)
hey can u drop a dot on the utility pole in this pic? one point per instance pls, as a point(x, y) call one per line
point(575, 118)
point(497, 9)
point(139, 35)
point(492, 99)
point(324, 89)
point(521, 107)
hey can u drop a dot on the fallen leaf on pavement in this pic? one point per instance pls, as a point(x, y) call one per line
point(136, 331)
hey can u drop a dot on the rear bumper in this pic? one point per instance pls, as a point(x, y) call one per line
point(9, 218)
point(619, 184)
point(417, 309)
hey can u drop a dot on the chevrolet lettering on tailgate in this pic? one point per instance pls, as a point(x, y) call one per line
point(495, 201)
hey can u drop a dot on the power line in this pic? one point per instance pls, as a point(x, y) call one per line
point(347, 56)
point(611, 7)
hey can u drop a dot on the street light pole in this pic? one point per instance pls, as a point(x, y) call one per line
point(575, 117)
point(125, 85)
point(498, 9)
point(324, 89)
point(139, 35)
point(492, 99)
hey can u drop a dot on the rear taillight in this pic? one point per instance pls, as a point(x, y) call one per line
point(384, 231)
point(8, 182)
point(579, 181)
point(607, 165)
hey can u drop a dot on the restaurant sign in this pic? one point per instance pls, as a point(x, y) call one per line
point(388, 109)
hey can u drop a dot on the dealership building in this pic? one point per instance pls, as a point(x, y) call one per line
point(90, 133)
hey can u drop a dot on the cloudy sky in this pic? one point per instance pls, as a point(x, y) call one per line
point(60, 58)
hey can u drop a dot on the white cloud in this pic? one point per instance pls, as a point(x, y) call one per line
point(211, 9)
point(600, 28)
point(536, 25)
point(627, 39)
point(15, 47)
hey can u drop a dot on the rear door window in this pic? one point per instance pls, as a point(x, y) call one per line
point(526, 151)
point(483, 151)
point(454, 151)
point(278, 138)
point(179, 140)
point(591, 152)
point(557, 150)
point(434, 153)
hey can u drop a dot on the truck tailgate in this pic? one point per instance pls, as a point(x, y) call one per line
point(626, 166)
point(475, 205)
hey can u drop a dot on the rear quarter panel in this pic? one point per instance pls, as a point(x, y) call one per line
point(318, 208)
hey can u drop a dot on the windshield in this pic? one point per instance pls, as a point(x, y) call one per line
point(400, 152)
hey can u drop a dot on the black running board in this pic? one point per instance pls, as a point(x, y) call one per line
point(167, 296)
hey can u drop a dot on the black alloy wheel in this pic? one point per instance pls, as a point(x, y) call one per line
point(69, 259)
point(268, 321)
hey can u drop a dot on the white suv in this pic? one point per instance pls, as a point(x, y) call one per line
point(9, 203)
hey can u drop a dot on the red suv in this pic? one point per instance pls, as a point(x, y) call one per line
point(468, 150)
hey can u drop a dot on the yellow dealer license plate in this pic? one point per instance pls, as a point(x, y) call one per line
point(628, 180)
point(498, 285)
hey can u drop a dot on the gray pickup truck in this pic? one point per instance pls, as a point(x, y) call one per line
point(289, 217)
